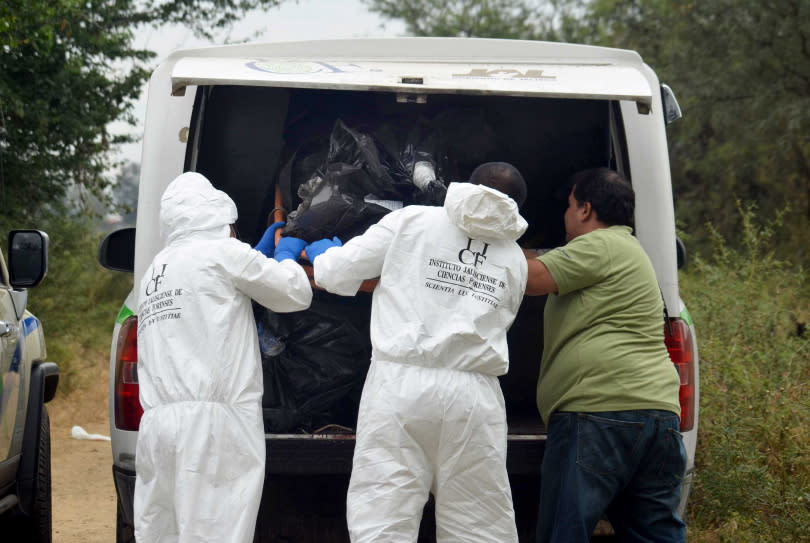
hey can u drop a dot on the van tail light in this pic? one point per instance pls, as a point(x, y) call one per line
point(678, 338)
point(128, 410)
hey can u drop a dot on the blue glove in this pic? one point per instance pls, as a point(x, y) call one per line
point(267, 244)
point(317, 248)
point(289, 247)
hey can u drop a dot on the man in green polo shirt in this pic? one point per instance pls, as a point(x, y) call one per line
point(607, 390)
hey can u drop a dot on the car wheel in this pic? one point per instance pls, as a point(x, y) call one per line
point(39, 522)
point(36, 527)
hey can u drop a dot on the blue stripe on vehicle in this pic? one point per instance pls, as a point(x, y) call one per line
point(29, 325)
point(16, 358)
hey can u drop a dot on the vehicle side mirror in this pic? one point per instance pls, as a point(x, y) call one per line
point(672, 111)
point(680, 251)
point(117, 250)
point(27, 257)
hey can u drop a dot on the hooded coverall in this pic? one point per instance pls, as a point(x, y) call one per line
point(432, 415)
point(200, 453)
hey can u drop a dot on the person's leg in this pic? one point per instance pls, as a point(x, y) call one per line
point(473, 496)
point(154, 513)
point(646, 510)
point(221, 455)
point(391, 473)
point(584, 466)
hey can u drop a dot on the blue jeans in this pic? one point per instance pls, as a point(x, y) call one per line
point(626, 464)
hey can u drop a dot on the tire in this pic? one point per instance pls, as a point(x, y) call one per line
point(39, 522)
point(36, 527)
point(124, 532)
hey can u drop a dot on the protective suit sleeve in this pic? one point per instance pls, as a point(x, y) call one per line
point(282, 287)
point(341, 270)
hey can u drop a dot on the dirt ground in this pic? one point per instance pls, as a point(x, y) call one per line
point(82, 486)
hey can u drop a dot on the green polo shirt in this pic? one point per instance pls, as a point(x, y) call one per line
point(604, 329)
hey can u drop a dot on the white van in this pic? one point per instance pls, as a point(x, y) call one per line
point(259, 119)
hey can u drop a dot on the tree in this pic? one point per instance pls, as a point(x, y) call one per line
point(741, 69)
point(511, 19)
point(67, 69)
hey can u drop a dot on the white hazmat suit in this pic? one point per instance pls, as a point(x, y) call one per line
point(432, 415)
point(200, 453)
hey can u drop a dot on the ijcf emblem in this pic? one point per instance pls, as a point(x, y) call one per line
point(470, 255)
point(154, 282)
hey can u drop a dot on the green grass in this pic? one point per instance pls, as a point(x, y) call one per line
point(752, 314)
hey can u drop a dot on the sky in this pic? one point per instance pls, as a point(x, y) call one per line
point(292, 21)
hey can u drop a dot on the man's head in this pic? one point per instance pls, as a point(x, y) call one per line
point(599, 198)
point(502, 177)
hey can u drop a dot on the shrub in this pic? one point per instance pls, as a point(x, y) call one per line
point(753, 465)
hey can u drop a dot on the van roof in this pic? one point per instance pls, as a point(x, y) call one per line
point(420, 66)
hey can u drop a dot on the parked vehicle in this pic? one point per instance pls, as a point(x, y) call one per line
point(28, 383)
point(260, 120)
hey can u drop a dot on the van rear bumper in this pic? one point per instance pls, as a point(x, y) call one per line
point(312, 454)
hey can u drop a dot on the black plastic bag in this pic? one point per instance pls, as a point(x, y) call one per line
point(328, 209)
point(314, 363)
point(359, 151)
point(358, 184)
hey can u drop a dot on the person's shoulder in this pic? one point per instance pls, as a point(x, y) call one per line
point(619, 237)
point(228, 249)
point(413, 213)
point(419, 210)
point(607, 235)
point(615, 231)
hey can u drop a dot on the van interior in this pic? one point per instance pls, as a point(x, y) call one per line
point(248, 140)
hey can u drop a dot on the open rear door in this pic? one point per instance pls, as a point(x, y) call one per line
point(412, 79)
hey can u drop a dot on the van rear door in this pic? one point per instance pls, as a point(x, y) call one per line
point(597, 80)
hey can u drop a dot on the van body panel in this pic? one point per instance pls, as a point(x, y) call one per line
point(652, 182)
point(164, 147)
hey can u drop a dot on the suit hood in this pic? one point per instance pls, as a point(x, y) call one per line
point(484, 213)
point(192, 207)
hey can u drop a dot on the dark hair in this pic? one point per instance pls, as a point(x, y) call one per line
point(503, 177)
point(610, 195)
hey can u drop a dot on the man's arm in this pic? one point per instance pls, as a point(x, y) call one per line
point(280, 286)
point(540, 280)
point(342, 269)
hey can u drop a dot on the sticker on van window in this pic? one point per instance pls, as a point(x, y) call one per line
point(289, 68)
